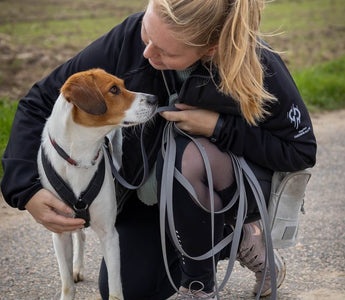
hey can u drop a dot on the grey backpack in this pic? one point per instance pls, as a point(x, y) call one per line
point(285, 204)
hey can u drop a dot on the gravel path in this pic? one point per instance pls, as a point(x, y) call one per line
point(315, 266)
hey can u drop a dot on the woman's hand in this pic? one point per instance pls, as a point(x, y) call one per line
point(47, 210)
point(193, 120)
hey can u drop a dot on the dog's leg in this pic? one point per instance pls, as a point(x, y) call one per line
point(78, 255)
point(64, 252)
point(111, 252)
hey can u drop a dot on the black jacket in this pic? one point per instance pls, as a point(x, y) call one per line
point(284, 141)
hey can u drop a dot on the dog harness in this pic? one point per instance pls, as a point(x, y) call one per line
point(81, 204)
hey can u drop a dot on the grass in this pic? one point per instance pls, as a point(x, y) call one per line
point(74, 32)
point(323, 86)
point(301, 15)
point(308, 32)
point(62, 22)
point(7, 110)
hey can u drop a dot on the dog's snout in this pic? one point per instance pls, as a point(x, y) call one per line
point(152, 99)
point(149, 99)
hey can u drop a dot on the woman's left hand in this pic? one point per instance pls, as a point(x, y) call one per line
point(193, 120)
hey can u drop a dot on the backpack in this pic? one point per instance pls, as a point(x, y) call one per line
point(285, 204)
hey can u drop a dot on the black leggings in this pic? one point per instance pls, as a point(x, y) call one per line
point(142, 269)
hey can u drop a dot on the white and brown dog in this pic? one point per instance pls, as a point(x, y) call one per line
point(91, 105)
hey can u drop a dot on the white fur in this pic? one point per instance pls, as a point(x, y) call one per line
point(82, 144)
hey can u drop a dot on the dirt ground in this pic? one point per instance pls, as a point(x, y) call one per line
point(20, 64)
point(315, 266)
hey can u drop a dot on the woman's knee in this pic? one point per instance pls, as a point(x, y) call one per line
point(193, 164)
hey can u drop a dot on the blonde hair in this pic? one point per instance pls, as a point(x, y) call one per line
point(232, 26)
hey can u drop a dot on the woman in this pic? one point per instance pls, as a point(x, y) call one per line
point(234, 94)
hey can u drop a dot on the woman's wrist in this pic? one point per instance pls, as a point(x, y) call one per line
point(217, 129)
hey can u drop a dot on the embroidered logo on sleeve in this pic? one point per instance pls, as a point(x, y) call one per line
point(294, 115)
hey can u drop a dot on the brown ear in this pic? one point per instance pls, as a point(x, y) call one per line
point(82, 91)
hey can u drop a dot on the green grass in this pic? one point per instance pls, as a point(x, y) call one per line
point(73, 23)
point(308, 32)
point(56, 33)
point(323, 86)
point(296, 15)
point(7, 110)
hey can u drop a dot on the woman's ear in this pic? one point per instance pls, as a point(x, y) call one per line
point(211, 51)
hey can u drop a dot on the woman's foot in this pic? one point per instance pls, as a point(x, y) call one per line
point(252, 255)
point(189, 293)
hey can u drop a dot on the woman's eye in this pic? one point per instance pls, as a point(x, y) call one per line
point(115, 90)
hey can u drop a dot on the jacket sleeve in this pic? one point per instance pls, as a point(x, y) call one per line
point(20, 181)
point(285, 140)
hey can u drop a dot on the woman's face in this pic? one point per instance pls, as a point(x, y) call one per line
point(163, 51)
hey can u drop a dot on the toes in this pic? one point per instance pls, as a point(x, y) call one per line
point(78, 276)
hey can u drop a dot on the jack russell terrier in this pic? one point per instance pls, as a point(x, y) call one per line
point(91, 104)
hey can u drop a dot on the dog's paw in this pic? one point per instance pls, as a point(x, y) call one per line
point(78, 276)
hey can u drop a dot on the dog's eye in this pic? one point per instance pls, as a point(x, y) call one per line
point(114, 90)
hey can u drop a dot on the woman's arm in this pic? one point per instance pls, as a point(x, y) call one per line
point(283, 142)
point(285, 150)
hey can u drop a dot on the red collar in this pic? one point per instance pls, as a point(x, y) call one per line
point(65, 156)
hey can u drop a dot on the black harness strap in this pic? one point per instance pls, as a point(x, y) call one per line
point(79, 205)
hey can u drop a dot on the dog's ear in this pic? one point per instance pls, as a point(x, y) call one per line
point(81, 90)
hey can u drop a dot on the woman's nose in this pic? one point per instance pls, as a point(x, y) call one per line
point(150, 51)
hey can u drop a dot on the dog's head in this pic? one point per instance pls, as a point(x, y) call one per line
point(101, 99)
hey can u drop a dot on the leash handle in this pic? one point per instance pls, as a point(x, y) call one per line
point(167, 108)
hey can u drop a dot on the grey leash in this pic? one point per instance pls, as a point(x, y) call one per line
point(115, 172)
point(241, 170)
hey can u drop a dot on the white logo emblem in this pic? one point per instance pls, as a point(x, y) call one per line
point(294, 115)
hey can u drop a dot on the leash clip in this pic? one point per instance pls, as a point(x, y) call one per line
point(80, 205)
point(82, 211)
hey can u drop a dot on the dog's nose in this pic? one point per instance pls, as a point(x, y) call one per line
point(152, 99)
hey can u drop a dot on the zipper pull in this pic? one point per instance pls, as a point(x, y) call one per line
point(302, 207)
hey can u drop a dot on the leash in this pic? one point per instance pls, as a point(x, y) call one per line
point(116, 173)
point(79, 205)
point(241, 171)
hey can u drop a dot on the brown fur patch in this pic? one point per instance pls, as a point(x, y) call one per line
point(95, 103)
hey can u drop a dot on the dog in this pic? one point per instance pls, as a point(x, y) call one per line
point(91, 105)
